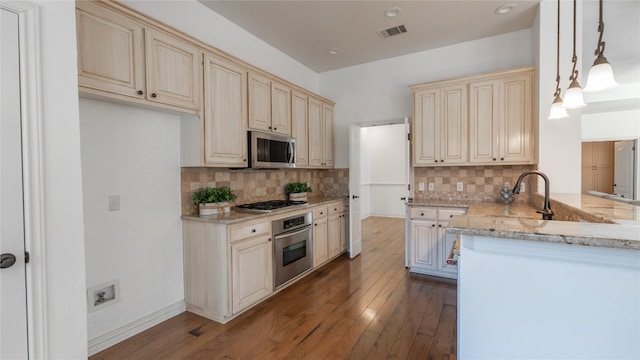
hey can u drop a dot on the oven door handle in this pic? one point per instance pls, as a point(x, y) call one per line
point(305, 229)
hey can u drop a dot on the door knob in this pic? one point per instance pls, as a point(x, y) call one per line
point(403, 198)
point(7, 260)
point(355, 197)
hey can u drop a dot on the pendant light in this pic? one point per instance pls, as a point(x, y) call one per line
point(557, 111)
point(601, 74)
point(573, 98)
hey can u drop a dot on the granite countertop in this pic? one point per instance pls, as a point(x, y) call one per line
point(605, 209)
point(239, 216)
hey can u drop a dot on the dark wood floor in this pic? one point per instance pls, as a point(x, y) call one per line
point(366, 308)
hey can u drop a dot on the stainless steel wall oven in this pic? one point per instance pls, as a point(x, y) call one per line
point(292, 248)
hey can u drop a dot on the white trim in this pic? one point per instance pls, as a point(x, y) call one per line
point(29, 23)
point(115, 336)
point(396, 216)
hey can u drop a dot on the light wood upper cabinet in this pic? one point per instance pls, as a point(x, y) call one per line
point(440, 125)
point(225, 112)
point(173, 75)
point(500, 125)
point(320, 134)
point(112, 60)
point(300, 127)
point(280, 108)
point(110, 51)
point(269, 105)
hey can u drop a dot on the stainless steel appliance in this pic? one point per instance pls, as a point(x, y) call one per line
point(293, 249)
point(268, 206)
point(271, 151)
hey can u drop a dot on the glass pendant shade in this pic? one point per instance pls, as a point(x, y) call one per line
point(573, 98)
point(600, 77)
point(557, 111)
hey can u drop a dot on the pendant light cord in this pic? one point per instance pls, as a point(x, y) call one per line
point(600, 49)
point(574, 59)
point(557, 93)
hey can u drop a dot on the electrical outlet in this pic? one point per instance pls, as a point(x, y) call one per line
point(421, 186)
point(459, 186)
point(523, 187)
point(431, 187)
point(114, 202)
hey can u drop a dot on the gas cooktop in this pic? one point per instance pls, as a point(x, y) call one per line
point(268, 206)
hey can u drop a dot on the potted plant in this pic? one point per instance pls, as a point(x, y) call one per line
point(297, 191)
point(212, 201)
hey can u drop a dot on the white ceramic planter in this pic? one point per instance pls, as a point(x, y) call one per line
point(214, 208)
point(298, 196)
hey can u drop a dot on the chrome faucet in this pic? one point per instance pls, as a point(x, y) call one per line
point(547, 213)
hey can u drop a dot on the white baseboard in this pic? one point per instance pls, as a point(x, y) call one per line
point(115, 336)
point(402, 216)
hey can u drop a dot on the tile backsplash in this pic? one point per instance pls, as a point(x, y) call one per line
point(260, 185)
point(482, 183)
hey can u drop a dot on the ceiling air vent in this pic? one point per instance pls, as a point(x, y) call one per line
point(396, 30)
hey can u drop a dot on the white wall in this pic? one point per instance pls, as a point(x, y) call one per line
point(134, 153)
point(380, 90)
point(559, 147)
point(199, 21)
point(63, 218)
point(384, 147)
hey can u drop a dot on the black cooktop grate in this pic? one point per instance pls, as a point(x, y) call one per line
point(270, 205)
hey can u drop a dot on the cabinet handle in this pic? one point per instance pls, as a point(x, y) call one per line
point(433, 225)
point(494, 159)
point(501, 159)
point(421, 214)
point(335, 209)
point(154, 95)
point(275, 128)
point(269, 239)
point(269, 127)
point(253, 230)
point(439, 225)
point(140, 92)
point(244, 160)
point(321, 213)
point(441, 160)
point(436, 160)
point(316, 224)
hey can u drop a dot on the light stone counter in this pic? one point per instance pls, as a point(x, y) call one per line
point(240, 216)
point(484, 208)
point(600, 209)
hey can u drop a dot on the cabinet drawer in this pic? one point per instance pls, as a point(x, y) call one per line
point(244, 232)
point(335, 208)
point(446, 215)
point(423, 214)
point(319, 212)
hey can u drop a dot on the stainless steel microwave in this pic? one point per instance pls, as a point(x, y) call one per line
point(271, 151)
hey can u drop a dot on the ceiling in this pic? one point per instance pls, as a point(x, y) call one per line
point(307, 30)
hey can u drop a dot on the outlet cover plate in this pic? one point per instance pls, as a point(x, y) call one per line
point(459, 186)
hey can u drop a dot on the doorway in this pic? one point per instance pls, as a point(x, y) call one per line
point(611, 167)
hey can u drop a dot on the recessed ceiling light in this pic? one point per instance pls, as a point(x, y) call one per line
point(334, 51)
point(505, 9)
point(392, 12)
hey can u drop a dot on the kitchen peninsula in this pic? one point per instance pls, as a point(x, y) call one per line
point(550, 288)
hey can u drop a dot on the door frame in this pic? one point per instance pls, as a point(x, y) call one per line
point(32, 168)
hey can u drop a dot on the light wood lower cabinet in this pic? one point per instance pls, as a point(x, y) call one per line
point(328, 233)
point(226, 268)
point(428, 243)
point(252, 271)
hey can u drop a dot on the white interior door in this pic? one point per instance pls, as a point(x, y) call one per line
point(13, 304)
point(410, 189)
point(355, 223)
point(623, 174)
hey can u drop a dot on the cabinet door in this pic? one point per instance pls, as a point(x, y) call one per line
point(334, 235)
point(327, 136)
point(515, 120)
point(320, 245)
point(110, 51)
point(173, 75)
point(280, 108)
point(445, 242)
point(252, 271)
point(424, 245)
point(299, 127)
point(259, 102)
point(343, 231)
point(483, 122)
point(426, 142)
point(225, 112)
point(453, 125)
point(315, 133)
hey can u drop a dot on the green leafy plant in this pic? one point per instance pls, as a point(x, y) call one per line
point(297, 187)
point(213, 195)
